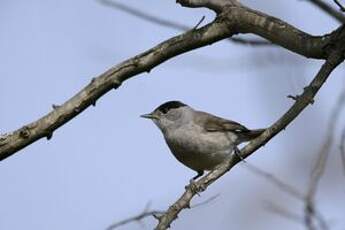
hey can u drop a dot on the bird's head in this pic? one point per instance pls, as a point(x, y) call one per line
point(170, 114)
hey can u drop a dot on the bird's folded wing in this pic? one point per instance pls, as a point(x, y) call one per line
point(217, 124)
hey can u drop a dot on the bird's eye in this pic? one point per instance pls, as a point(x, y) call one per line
point(165, 110)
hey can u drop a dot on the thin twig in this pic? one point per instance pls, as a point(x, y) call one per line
point(280, 211)
point(200, 21)
point(329, 10)
point(320, 165)
point(283, 186)
point(341, 7)
point(136, 218)
point(342, 148)
point(174, 25)
point(155, 213)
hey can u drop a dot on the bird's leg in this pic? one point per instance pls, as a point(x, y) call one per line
point(237, 152)
point(200, 173)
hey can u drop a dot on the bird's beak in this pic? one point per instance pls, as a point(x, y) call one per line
point(149, 116)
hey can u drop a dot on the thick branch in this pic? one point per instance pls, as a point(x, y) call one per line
point(335, 58)
point(233, 19)
point(247, 20)
point(111, 79)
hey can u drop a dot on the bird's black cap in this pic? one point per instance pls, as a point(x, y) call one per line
point(164, 108)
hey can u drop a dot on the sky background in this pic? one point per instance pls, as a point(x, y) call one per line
point(107, 164)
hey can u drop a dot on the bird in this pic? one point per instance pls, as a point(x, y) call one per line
point(198, 139)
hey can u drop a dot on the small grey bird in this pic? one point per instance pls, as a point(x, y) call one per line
point(197, 139)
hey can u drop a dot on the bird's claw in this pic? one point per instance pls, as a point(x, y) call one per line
point(237, 152)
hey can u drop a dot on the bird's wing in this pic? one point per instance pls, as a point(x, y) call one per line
point(217, 124)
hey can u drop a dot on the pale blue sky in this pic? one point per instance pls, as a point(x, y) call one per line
point(107, 163)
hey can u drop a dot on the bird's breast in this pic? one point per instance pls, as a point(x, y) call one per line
point(198, 149)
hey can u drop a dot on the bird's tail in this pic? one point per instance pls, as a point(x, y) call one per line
point(252, 134)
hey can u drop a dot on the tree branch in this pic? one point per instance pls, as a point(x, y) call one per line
point(233, 19)
point(329, 10)
point(111, 79)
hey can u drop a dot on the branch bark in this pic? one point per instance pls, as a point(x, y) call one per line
point(232, 19)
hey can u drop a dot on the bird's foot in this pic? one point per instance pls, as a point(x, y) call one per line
point(195, 187)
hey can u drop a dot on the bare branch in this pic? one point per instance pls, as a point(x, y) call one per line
point(144, 15)
point(277, 182)
point(198, 24)
point(320, 165)
point(329, 10)
point(280, 211)
point(341, 7)
point(12, 142)
point(312, 212)
point(137, 218)
point(342, 148)
point(174, 25)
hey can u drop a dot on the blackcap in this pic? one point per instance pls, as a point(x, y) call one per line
point(197, 139)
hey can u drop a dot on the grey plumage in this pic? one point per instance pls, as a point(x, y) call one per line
point(198, 139)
